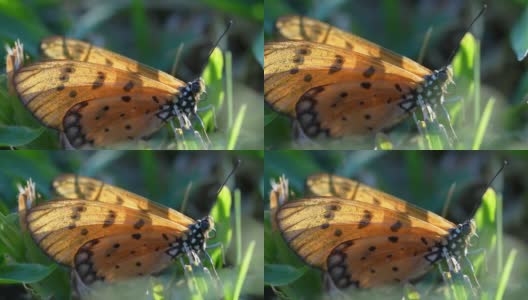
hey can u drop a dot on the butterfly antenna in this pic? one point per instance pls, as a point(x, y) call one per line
point(504, 164)
point(484, 7)
point(238, 162)
point(216, 44)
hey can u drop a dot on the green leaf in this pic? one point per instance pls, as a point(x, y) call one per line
point(519, 36)
point(279, 275)
point(258, 48)
point(24, 273)
point(268, 118)
point(221, 213)
point(463, 62)
point(17, 135)
point(212, 76)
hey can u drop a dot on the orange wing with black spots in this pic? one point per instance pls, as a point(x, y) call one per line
point(363, 237)
point(328, 185)
point(106, 233)
point(336, 84)
point(306, 29)
point(58, 47)
point(98, 98)
point(71, 186)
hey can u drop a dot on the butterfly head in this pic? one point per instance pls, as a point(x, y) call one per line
point(468, 229)
point(189, 96)
point(444, 77)
point(206, 225)
point(194, 239)
point(460, 236)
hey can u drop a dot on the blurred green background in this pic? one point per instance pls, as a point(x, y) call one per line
point(487, 104)
point(150, 32)
point(163, 177)
point(423, 178)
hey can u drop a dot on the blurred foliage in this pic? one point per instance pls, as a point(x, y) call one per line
point(149, 32)
point(485, 68)
point(424, 179)
point(164, 177)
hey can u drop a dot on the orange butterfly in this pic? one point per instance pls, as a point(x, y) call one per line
point(336, 84)
point(362, 237)
point(105, 233)
point(98, 98)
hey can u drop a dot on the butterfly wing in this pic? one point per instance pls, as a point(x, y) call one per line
point(303, 28)
point(122, 256)
point(71, 186)
point(58, 47)
point(109, 121)
point(328, 185)
point(313, 227)
point(61, 227)
point(375, 261)
point(335, 91)
point(49, 89)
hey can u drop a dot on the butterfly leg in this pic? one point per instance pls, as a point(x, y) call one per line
point(187, 270)
point(300, 136)
point(218, 245)
point(455, 270)
point(472, 271)
point(333, 291)
point(203, 127)
point(186, 124)
point(448, 118)
point(209, 107)
point(65, 143)
point(198, 136)
point(78, 286)
point(194, 259)
point(217, 278)
point(419, 125)
point(178, 135)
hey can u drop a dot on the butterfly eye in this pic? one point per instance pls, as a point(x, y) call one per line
point(442, 75)
point(204, 225)
point(196, 87)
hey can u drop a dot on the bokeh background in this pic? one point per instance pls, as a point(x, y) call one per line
point(164, 177)
point(486, 68)
point(150, 32)
point(424, 178)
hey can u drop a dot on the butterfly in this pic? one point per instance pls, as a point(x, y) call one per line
point(336, 84)
point(108, 234)
point(365, 238)
point(98, 98)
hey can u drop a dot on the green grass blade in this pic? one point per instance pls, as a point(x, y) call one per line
point(505, 276)
point(243, 271)
point(229, 88)
point(140, 26)
point(483, 124)
point(235, 131)
point(238, 224)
